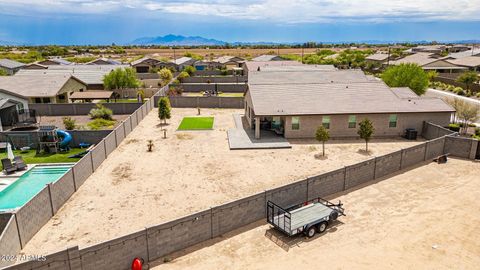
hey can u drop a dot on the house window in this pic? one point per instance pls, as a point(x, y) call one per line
point(20, 107)
point(352, 121)
point(295, 123)
point(326, 122)
point(38, 100)
point(46, 100)
point(392, 121)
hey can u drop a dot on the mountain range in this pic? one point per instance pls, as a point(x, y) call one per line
point(176, 40)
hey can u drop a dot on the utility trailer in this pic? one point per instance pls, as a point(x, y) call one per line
point(308, 217)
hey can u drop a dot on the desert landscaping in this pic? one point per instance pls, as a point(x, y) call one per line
point(418, 219)
point(186, 172)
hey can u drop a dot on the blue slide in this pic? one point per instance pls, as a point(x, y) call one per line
point(66, 138)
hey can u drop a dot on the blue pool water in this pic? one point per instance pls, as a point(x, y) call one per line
point(29, 184)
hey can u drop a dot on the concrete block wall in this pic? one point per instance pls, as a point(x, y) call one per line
point(33, 215)
point(435, 148)
point(326, 184)
point(230, 216)
point(288, 195)
point(98, 155)
point(432, 131)
point(205, 102)
point(460, 147)
point(30, 138)
point(81, 108)
point(413, 155)
point(133, 120)
point(359, 173)
point(215, 79)
point(119, 134)
point(127, 124)
point(55, 261)
point(388, 164)
point(9, 241)
point(61, 190)
point(178, 234)
point(115, 254)
point(226, 88)
point(110, 143)
point(82, 170)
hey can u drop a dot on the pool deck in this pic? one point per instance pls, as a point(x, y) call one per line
point(243, 137)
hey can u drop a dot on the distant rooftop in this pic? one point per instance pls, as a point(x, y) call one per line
point(35, 86)
point(10, 64)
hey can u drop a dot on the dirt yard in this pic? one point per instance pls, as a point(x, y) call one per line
point(81, 120)
point(426, 218)
point(187, 172)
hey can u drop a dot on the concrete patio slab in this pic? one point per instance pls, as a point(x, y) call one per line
point(242, 137)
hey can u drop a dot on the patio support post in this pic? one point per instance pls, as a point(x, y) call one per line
point(257, 127)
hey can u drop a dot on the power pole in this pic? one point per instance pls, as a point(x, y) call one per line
point(302, 53)
point(388, 57)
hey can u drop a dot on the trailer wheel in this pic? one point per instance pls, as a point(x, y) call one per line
point(322, 227)
point(310, 232)
point(333, 215)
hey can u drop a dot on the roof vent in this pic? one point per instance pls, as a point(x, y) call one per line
point(346, 86)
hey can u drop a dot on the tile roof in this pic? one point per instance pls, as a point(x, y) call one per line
point(35, 86)
point(470, 61)
point(306, 77)
point(377, 57)
point(182, 60)
point(473, 52)
point(267, 57)
point(252, 65)
point(90, 74)
point(10, 64)
point(337, 98)
point(417, 58)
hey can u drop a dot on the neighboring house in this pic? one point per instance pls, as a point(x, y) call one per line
point(10, 66)
point(201, 65)
point(377, 58)
point(458, 48)
point(103, 61)
point(267, 57)
point(11, 104)
point(35, 66)
point(54, 61)
point(182, 62)
point(91, 75)
point(295, 104)
point(229, 62)
point(472, 52)
point(146, 64)
point(428, 62)
point(254, 66)
point(43, 88)
point(471, 62)
point(437, 49)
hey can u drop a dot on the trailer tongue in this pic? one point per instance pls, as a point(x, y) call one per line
point(309, 217)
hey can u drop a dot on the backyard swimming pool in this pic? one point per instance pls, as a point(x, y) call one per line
point(29, 184)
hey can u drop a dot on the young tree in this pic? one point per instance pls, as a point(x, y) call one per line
point(406, 75)
point(468, 78)
point(3, 72)
point(322, 135)
point(190, 70)
point(466, 112)
point(120, 78)
point(164, 109)
point(165, 75)
point(365, 131)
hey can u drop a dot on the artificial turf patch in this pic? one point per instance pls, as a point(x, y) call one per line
point(196, 123)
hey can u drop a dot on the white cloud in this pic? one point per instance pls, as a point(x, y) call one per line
point(273, 10)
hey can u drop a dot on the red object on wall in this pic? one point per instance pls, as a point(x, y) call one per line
point(137, 264)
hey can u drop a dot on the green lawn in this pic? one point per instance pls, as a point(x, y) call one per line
point(196, 123)
point(31, 156)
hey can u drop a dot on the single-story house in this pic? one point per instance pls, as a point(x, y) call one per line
point(89, 96)
point(458, 55)
point(43, 88)
point(437, 49)
point(429, 61)
point(11, 105)
point(103, 61)
point(267, 57)
point(144, 65)
point(182, 62)
point(229, 62)
point(471, 62)
point(54, 61)
point(295, 104)
point(377, 58)
point(253, 65)
point(10, 66)
point(35, 66)
point(91, 75)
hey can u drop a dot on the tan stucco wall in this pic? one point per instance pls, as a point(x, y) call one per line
point(339, 124)
point(70, 86)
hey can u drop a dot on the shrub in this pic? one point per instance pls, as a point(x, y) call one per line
point(461, 93)
point(100, 123)
point(457, 89)
point(478, 95)
point(450, 87)
point(69, 123)
point(477, 131)
point(101, 112)
point(190, 70)
point(183, 75)
point(454, 127)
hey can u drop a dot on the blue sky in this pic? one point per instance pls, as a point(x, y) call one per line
point(121, 21)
